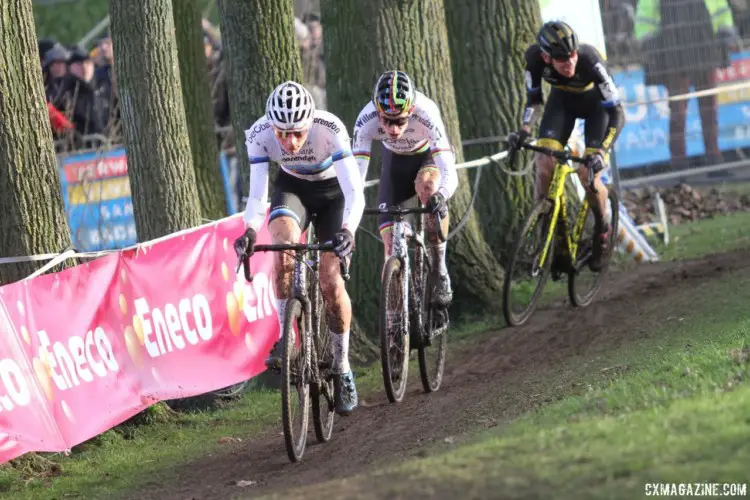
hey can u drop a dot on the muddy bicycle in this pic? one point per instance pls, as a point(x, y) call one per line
point(307, 359)
point(559, 245)
point(407, 319)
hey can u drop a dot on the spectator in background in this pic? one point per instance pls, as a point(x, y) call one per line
point(86, 115)
point(683, 42)
point(618, 19)
point(313, 57)
point(106, 89)
point(741, 14)
point(55, 72)
point(45, 44)
point(313, 64)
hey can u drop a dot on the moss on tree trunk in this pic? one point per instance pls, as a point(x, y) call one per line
point(33, 218)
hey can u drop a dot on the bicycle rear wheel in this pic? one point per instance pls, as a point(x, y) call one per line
point(582, 291)
point(524, 277)
point(295, 391)
point(321, 393)
point(394, 336)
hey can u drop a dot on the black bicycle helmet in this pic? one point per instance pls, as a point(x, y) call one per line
point(557, 39)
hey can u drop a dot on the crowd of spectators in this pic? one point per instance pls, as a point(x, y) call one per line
point(81, 85)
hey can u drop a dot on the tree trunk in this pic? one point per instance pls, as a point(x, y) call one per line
point(165, 198)
point(413, 37)
point(33, 218)
point(348, 91)
point(196, 97)
point(488, 39)
point(261, 51)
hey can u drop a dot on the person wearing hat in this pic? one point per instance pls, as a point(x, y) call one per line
point(83, 94)
point(81, 65)
point(45, 44)
point(55, 61)
point(55, 72)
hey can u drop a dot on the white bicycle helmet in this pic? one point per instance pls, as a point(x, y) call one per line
point(290, 107)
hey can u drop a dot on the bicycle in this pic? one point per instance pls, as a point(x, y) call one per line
point(546, 257)
point(306, 368)
point(406, 302)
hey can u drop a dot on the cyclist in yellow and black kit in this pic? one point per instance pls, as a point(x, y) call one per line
point(581, 88)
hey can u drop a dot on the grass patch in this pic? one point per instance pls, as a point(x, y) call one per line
point(694, 239)
point(116, 459)
point(674, 407)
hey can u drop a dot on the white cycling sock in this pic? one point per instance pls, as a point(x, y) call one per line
point(340, 345)
point(280, 312)
point(438, 257)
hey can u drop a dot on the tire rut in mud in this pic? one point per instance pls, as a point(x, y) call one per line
point(486, 382)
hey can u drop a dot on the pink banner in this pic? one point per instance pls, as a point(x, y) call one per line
point(89, 347)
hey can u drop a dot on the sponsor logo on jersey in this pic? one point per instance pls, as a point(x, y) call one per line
point(549, 75)
point(298, 158)
point(404, 142)
point(424, 121)
point(366, 118)
point(608, 88)
point(331, 125)
point(257, 130)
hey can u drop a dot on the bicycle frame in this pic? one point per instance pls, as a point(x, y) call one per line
point(402, 234)
point(400, 250)
point(556, 195)
point(299, 291)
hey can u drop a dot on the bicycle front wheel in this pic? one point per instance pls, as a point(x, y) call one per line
point(526, 275)
point(321, 393)
point(394, 336)
point(583, 285)
point(295, 390)
point(431, 352)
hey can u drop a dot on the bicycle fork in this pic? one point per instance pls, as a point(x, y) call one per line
point(299, 280)
point(400, 251)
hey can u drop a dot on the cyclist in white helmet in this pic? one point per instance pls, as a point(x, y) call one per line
point(417, 161)
point(318, 176)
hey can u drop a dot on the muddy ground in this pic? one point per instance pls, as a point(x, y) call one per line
point(487, 381)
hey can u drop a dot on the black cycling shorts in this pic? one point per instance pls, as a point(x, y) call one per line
point(560, 114)
point(398, 180)
point(321, 202)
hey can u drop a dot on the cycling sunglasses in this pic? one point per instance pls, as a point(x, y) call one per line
point(399, 122)
point(562, 59)
point(283, 134)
